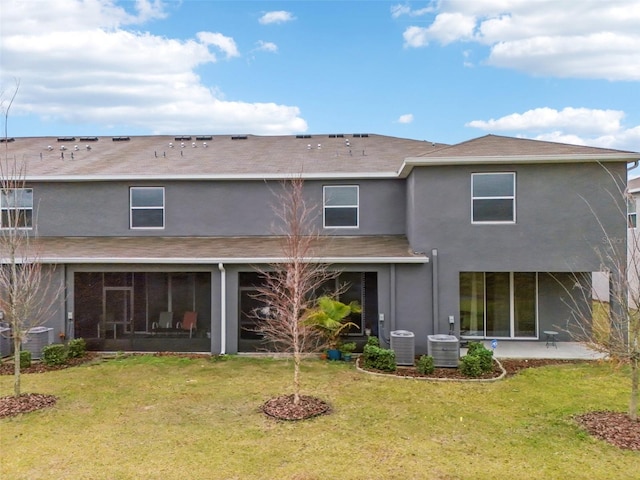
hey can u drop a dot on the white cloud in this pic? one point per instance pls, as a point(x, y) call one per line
point(226, 44)
point(580, 126)
point(581, 39)
point(406, 118)
point(400, 10)
point(263, 46)
point(279, 16)
point(77, 63)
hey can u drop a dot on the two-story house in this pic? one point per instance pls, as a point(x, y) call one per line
point(482, 239)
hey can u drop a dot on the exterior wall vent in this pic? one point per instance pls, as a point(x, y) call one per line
point(445, 350)
point(121, 139)
point(66, 139)
point(403, 344)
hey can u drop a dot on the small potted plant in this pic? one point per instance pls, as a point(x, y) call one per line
point(346, 349)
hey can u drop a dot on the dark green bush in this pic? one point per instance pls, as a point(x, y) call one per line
point(25, 359)
point(76, 348)
point(470, 365)
point(378, 358)
point(373, 341)
point(55, 354)
point(477, 349)
point(425, 365)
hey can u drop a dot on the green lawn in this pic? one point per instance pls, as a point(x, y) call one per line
point(176, 418)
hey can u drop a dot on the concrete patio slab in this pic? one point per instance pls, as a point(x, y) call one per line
point(562, 350)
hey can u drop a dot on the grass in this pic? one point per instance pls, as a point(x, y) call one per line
point(176, 418)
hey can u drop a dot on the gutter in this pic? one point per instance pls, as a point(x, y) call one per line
point(240, 260)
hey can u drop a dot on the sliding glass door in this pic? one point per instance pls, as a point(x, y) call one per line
point(498, 304)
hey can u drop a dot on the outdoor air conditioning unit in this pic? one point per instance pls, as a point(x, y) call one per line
point(403, 344)
point(37, 339)
point(445, 350)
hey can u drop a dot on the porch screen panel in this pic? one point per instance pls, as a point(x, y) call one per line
point(498, 300)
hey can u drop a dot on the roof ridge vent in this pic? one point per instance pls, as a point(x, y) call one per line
point(204, 137)
point(185, 137)
point(303, 136)
point(8, 140)
point(239, 137)
point(66, 139)
point(121, 139)
point(88, 139)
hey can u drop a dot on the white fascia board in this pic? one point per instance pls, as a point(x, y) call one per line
point(230, 260)
point(208, 177)
point(411, 162)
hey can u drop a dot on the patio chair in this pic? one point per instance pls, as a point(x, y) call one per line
point(165, 320)
point(189, 322)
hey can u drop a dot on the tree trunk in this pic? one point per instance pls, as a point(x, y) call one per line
point(635, 380)
point(16, 366)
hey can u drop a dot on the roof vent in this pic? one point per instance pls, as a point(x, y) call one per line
point(239, 137)
point(49, 147)
point(88, 139)
point(303, 136)
point(121, 139)
point(336, 135)
point(204, 137)
point(360, 135)
point(8, 140)
point(204, 144)
point(62, 147)
point(178, 139)
point(66, 139)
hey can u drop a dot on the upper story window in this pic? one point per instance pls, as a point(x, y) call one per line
point(493, 197)
point(632, 220)
point(341, 206)
point(16, 208)
point(147, 207)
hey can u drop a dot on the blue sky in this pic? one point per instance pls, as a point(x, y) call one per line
point(444, 71)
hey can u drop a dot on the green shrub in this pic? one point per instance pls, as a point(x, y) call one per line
point(473, 347)
point(425, 365)
point(379, 358)
point(25, 359)
point(470, 365)
point(55, 354)
point(373, 341)
point(477, 349)
point(76, 348)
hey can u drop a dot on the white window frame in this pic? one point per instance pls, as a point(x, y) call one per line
point(154, 207)
point(325, 206)
point(7, 208)
point(497, 197)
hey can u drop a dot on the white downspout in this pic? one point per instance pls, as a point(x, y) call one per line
point(223, 308)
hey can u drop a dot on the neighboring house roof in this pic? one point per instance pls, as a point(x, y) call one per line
point(495, 149)
point(218, 156)
point(262, 249)
point(633, 185)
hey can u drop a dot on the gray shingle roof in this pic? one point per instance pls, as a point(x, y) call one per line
point(379, 249)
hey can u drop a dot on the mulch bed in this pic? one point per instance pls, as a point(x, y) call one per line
point(25, 403)
point(613, 427)
point(284, 408)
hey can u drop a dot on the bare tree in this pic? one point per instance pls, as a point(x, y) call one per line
point(609, 322)
point(26, 293)
point(288, 287)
